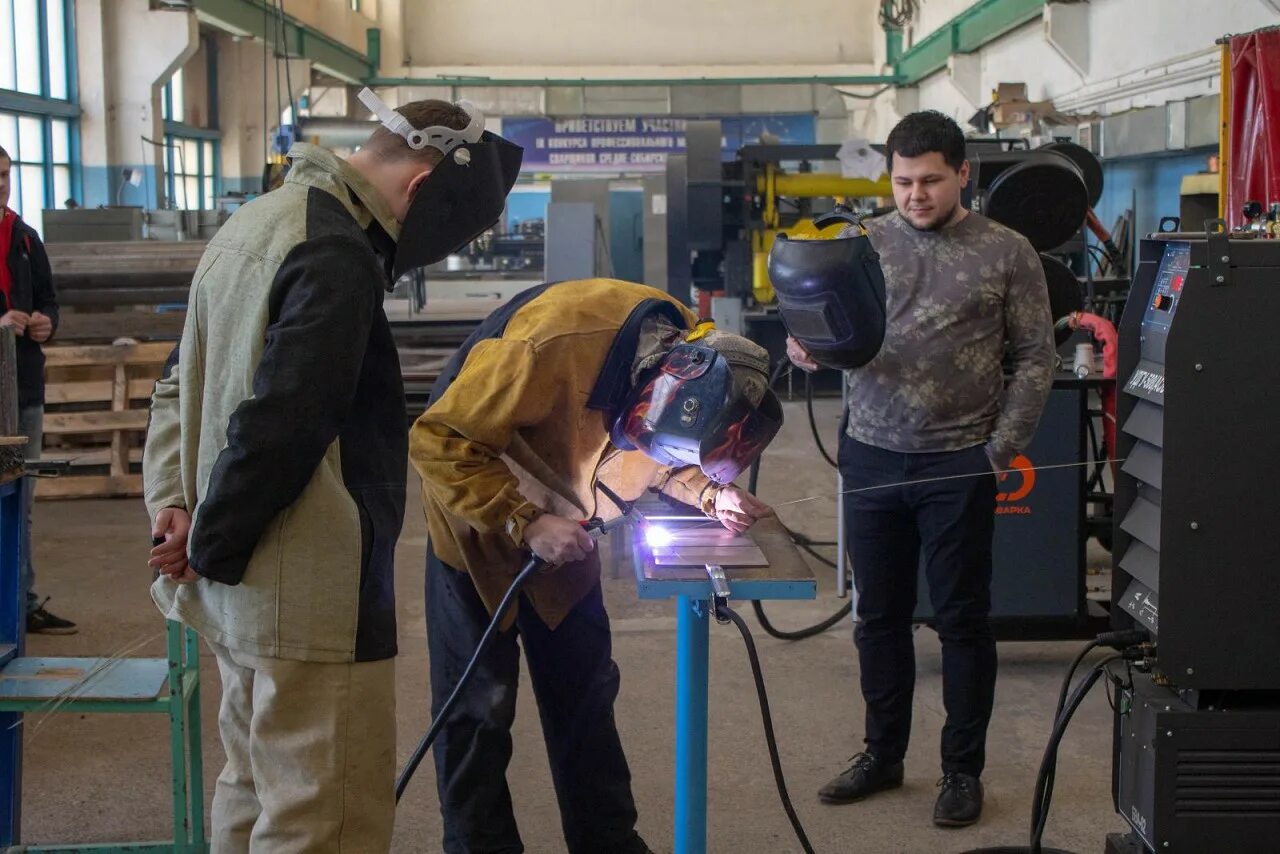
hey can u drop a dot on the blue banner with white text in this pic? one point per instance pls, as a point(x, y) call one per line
point(638, 144)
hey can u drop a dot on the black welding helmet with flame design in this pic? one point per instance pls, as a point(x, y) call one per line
point(702, 406)
point(831, 293)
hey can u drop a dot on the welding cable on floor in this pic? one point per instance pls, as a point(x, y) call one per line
point(1044, 784)
point(1132, 644)
point(1043, 795)
point(726, 614)
point(531, 566)
point(1128, 642)
point(800, 634)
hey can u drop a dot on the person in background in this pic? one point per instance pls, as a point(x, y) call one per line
point(934, 413)
point(28, 306)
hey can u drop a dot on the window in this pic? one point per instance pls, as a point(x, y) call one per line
point(42, 170)
point(191, 150)
point(173, 104)
point(191, 165)
point(41, 65)
point(37, 105)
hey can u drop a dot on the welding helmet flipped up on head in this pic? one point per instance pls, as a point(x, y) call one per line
point(465, 193)
point(706, 404)
point(831, 293)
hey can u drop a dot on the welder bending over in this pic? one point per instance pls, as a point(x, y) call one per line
point(567, 386)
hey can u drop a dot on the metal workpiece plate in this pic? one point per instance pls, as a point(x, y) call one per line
point(781, 572)
point(700, 556)
point(699, 546)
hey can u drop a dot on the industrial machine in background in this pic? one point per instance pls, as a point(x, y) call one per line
point(1197, 737)
point(520, 249)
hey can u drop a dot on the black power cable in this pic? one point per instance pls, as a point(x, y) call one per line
point(1044, 777)
point(800, 634)
point(806, 545)
point(288, 75)
point(813, 423)
point(1043, 796)
point(1132, 642)
point(758, 608)
point(531, 566)
point(726, 614)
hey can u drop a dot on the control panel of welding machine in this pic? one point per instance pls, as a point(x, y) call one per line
point(1167, 291)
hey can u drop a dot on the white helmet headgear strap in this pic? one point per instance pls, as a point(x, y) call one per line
point(445, 139)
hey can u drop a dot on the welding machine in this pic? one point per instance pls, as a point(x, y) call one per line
point(1197, 736)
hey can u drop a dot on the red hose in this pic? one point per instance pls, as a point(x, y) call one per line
point(1100, 231)
point(1105, 332)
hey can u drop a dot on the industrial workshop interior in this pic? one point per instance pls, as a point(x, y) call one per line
point(618, 427)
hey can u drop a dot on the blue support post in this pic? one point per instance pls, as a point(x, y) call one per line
point(12, 634)
point(692, 647)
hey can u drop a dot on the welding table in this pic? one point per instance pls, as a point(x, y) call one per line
point(786, 576)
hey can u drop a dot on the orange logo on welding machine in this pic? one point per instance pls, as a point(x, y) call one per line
point(1007, 503)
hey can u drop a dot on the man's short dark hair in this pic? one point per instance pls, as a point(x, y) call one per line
point(4, 155)
point(421, 114)
point(923, 132)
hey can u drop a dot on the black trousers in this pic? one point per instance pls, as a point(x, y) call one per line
point(575, 681)
point(947, 525)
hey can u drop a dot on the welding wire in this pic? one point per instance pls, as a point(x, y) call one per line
point(947, 477)
point(924, 480)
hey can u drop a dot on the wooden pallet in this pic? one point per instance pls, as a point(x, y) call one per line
point(96, 412)
point(112, 290)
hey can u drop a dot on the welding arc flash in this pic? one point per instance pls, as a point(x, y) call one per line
point(657, 536)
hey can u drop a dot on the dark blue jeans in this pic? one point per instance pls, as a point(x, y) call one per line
point(575, 681)
point(947, 525)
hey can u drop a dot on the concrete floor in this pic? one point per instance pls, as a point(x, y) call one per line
point(105, 777)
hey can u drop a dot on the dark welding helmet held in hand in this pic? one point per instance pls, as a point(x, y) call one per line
point(465, 193)
point(697, 409)
point(831, 293)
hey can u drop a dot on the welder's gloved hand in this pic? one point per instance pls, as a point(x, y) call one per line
point(738, 509)
point(557, 540)
point(799, 356)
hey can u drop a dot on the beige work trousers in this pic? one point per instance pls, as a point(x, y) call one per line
point(310, 756)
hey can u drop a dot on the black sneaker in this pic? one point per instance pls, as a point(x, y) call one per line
point(866, 776)
point(41, 622)
point(960, 801)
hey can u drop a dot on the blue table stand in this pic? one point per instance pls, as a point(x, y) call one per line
point(787, 576)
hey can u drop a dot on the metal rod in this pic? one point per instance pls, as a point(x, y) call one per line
point(1224, 130)
point(842, 575)
point(177, 744)
point(692, 642)
point(195, 743)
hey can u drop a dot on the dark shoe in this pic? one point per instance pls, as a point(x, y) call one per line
point(960, 801)
point(41, 622)
point(866, 776)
